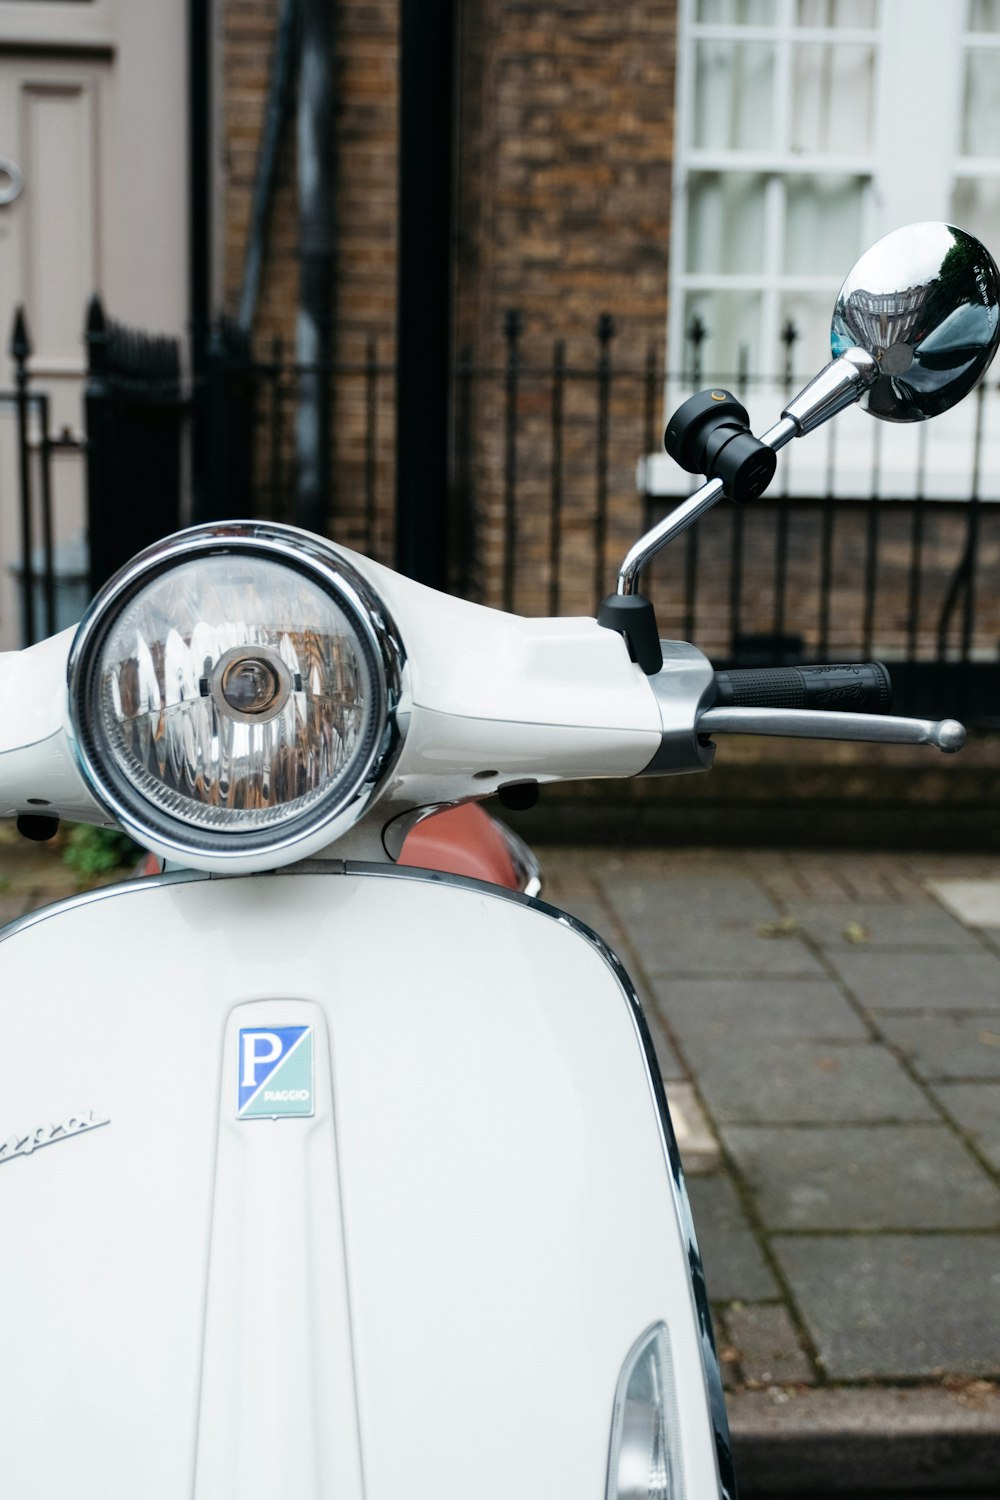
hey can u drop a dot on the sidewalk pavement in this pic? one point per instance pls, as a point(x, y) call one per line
point(828, 1027)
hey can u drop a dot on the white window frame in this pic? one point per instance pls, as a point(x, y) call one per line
point(903, 185)
point(910, 184)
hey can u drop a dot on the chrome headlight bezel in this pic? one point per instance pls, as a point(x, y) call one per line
point(301, 833)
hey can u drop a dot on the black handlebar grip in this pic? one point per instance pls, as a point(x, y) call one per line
point(862, 687)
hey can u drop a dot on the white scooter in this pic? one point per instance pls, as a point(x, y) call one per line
point(362, 1181)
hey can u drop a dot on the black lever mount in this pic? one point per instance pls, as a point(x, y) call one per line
point(710, 434)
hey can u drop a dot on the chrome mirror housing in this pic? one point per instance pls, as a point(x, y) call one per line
point(914, 329)
point(924, 302)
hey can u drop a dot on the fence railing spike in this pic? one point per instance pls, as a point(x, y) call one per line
point(20, 342)
point(96, 320)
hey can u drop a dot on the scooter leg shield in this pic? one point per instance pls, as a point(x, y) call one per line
point(330, 1184)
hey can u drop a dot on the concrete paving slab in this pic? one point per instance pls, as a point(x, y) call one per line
point(735, 1267)
point(699, 1147)
point(772, 1081)
point(846, 1442)
point(857, 1295)
point(852, 1177)
point(870, 875)
point(728, 1355)
point(946, 1047)
point(976, 1107)
point(685, 946)
point(712, 894)
point(921, 981)
point(974, 902)
point(768, 1347)
point(730, 1009)
point(867, 925)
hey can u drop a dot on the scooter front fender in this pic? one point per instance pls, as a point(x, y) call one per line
point(415, 1263)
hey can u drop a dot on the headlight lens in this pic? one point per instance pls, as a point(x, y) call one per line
point(644, 1462)
point(233, 691)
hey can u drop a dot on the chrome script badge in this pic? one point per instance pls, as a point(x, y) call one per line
point(48, 1135)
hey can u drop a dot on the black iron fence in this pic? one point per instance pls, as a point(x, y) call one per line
point(34, 562)
point(134, 417)
point(854, 553)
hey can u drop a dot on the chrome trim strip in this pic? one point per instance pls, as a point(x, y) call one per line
point(526, 866)
point(710, 1360)
point(398, 829)
point(101, 893)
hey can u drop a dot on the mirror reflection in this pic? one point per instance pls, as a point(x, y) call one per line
point(925, 303)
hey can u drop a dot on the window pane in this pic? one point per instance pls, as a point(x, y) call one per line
point(725, 227)
point(981, 105)
point(859, 13)
point(975, 206)
point(810, 314)
point(822, 225)
point(737, 12)
point(731, 321)
point(734, 96)
point(984, 15)
point(833, 99)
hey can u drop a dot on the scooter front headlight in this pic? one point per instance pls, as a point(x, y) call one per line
point(232, 696)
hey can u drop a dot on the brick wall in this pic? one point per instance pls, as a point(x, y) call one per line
point(567, 133)
point(567, 143)
point(563, 191)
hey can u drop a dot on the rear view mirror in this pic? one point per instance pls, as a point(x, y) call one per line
point(924, 302)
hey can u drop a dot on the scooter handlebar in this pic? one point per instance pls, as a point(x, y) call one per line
point(848, 701)
point(860, 687)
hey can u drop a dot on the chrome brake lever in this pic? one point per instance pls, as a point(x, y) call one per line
point(816, 724)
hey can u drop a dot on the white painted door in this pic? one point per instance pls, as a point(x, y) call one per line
point(93, 135)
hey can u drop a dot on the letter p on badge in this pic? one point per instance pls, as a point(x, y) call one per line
point(275, 1072)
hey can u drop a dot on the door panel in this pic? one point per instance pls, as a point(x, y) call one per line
point(59, 236)
point(49, 264)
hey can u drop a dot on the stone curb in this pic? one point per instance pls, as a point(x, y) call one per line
point(877, 1441)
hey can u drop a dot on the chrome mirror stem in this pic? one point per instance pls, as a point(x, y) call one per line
point(689, 511)
point(842, 383)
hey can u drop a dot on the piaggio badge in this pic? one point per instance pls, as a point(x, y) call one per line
point(275, 1072)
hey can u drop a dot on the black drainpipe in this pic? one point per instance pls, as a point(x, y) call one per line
point(279, 107)
point(424, 306)
point(313, 337)
point(200, 224)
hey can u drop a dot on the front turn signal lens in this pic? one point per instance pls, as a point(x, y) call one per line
point(644, 1461)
